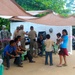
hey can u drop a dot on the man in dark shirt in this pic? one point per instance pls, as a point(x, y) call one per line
point(40, 44)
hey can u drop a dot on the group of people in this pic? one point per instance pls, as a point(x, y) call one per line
point(31, 35)
point(62, 41)
point(16, 48)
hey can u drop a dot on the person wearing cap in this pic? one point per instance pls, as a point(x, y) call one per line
point(16, 32)
point(22, 33)
point(32, 36)
point(5, 36)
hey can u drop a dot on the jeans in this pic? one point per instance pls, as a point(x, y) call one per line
point(17, 60)
point(50, 57)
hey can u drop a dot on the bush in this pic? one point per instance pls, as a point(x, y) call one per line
point(5, 22)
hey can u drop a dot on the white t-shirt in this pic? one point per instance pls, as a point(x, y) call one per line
point(48, 44)
point(59, 40)
point(19, 43)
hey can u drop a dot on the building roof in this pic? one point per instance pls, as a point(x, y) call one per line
point(11, 8)
point(55, 20)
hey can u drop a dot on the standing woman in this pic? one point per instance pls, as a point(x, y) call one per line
point(63, 48)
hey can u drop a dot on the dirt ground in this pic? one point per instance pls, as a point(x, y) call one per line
point(39, 68)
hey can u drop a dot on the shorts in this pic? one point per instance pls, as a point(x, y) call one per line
point(63, 52)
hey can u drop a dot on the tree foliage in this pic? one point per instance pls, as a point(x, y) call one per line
point(4, 22)
point(54, 5)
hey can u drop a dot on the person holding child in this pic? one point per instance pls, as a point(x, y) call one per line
point(63, 48)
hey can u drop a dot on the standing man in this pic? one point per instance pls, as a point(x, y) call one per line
point(22, 34)
point(16, 33)
point(32, 36)
point(40, 41)
point(5, 36)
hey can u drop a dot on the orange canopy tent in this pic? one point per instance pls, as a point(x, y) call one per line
point(11, 8)
point(55, 20)
point(15, 18)
point(21, 18)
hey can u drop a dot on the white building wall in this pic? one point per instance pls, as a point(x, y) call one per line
point(40, 27)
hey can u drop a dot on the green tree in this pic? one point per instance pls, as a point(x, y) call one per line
point(5, 22)
point(54, 5)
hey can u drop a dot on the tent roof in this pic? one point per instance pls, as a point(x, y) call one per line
point(11, 8)
point(15, 18)
point(21, 18)
point(52, 19)
point(36, 12)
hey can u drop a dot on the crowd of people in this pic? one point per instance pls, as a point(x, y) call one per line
point(16, 48)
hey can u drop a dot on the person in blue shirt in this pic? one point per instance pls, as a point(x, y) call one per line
point(10, 51)
point(63, 48)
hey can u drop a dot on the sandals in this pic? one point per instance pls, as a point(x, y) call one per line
point(59, 65)
point(64, 64)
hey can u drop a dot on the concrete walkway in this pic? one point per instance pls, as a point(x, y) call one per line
point(39, 68)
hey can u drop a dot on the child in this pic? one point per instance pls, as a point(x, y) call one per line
point(58, 38)
point(48, 44)
point(58, 43)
